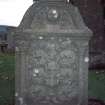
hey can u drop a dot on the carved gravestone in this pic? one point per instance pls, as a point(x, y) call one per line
point(52, 55)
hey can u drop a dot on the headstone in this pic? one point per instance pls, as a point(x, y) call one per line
point(52, 55)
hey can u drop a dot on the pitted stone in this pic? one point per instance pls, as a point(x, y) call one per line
point(51, 63)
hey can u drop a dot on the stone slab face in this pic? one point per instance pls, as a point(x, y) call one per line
point(52, 55)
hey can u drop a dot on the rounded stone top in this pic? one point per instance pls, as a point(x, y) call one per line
point(53, 16)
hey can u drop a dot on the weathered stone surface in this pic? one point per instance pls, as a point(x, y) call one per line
point(52, 55)
point(92, 12)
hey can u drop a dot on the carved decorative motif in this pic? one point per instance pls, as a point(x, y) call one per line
point(52, 16)
point(50, 45)
point(53, 71)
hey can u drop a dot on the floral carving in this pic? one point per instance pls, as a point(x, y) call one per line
point(53, 70)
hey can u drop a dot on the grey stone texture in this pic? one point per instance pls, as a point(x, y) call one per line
point(93, 15)
point(52, 55)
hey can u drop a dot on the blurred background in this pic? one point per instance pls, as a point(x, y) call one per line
point(93, 13)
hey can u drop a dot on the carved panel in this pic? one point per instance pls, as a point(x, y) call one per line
point(52, 15)
point(52, 72)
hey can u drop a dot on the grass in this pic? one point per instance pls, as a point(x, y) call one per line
point(7, 88)
point(7, 66)
point(97, 85)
